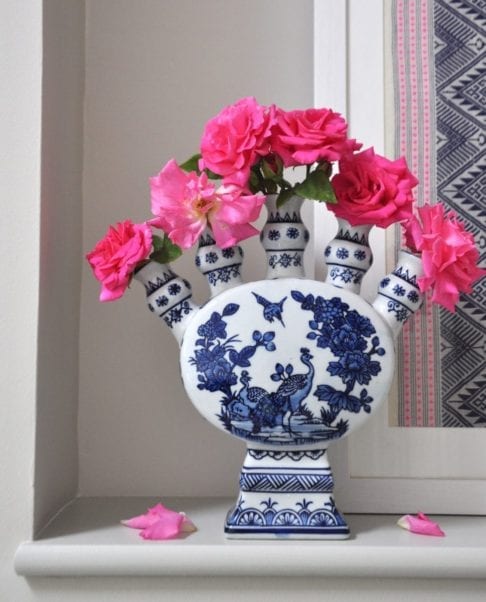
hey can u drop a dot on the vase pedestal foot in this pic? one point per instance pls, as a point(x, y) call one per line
point(286, 495)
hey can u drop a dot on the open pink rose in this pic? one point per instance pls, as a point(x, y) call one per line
point(304, 137)
point(233, 140)
point(449, 255)
point(115, 257)
point(185, 203)
point(371, 189)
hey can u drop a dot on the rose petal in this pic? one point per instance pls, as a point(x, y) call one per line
point(167, 527)
point(187, 525)
point(160, 522)
point(141, 522)
point(420, 524)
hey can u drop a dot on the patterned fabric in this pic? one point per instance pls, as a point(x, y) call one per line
point(439, 64)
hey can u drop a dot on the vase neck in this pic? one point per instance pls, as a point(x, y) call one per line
point(399, 294)
point(348, 256)
point(221, 267)
point(284, 238)
point(168, 296)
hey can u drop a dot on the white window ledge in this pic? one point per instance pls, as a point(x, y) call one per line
point(86, 539)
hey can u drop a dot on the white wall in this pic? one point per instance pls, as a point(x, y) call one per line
point(20, 138)
point(56, 458)
point(155, 73)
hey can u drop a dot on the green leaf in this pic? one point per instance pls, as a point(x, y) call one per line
point(270, 186)
point(165, 250)
point(191, 164)
point(254, 182)
point(211, 175)
point(157, 242)
point(317, 187)
point(284, 196)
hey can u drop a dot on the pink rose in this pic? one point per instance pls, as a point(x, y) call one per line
point(234, 139)
point(185, 203)
point(115, 257)
point(449, 255)
point(304, 137)
point(371, 189)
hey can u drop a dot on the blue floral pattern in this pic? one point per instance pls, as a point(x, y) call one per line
point(174, 289)
point(352, 339)
point(177, 313)
point(345, 275)
point(228, 253)
point(413, 296)
point(399, 290)
point(285, 260)
point(280, 414)
point(224, 274)
point(211, 257)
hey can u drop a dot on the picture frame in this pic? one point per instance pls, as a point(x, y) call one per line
point(383, 468)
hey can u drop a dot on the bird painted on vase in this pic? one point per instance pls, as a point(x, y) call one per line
point(271, 310)
point(295, 387)
point(263, 411)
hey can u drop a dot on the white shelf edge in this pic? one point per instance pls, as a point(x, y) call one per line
point(40, 560)
point(86, 541)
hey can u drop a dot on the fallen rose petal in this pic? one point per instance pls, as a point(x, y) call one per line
point(167, 527)
point(420, 524)
point(187, 525)
point(140, 522)
point(152, 515)
point(160, 522)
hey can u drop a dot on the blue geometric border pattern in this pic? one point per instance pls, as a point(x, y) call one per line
point(460, 81)
point(286, 483)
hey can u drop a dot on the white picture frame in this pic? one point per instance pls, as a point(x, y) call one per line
point(383, 468)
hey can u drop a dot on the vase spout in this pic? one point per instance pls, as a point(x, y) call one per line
point(348, 256)
point(168, 296)
point(284, 238)
point(399, 294)
point(221, 267)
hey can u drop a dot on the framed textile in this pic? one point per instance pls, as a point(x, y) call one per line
point(439, 115)
point(429, 66)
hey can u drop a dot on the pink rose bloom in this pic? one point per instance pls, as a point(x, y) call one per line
point(115, 257)
point(449, 255)
point(185, 203)
point(304, 137)
point(233, 140)
point(371, 189)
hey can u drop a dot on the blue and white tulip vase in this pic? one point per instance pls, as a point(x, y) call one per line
point(288, 364)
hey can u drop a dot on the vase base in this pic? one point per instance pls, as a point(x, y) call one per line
point(286, 495)
point(321, 533)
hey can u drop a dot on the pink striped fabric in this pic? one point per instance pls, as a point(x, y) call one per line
point(414, 116)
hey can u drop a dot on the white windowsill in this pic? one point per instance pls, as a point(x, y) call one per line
point(86, 539)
